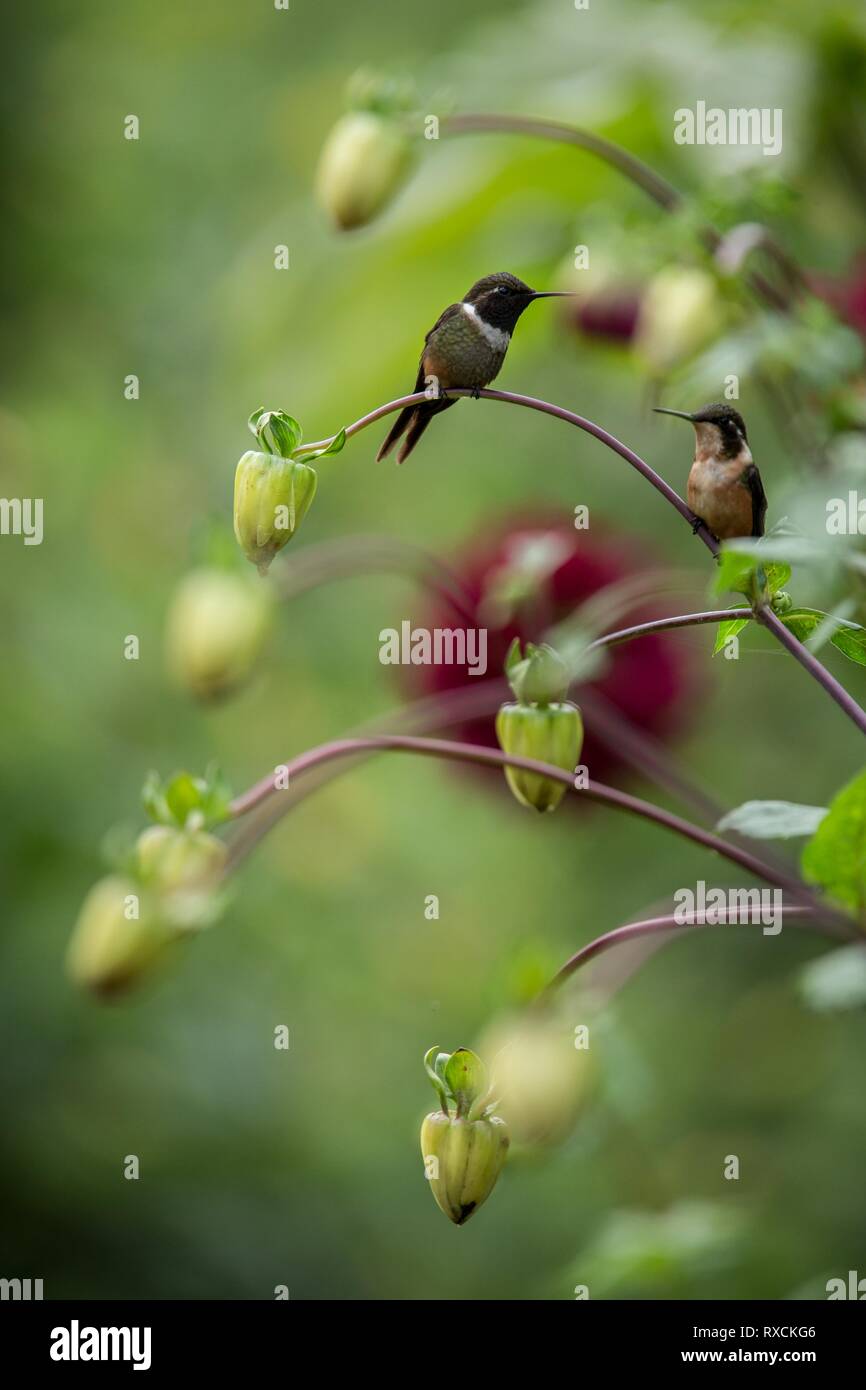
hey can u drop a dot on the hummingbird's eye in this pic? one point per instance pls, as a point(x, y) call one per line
point(501, 289)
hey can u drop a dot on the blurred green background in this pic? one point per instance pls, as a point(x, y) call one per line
point(155, 257)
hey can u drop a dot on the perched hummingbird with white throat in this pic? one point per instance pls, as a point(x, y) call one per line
point(725, 491)
point(465, 349)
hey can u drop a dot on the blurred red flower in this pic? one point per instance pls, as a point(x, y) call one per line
point(532, 574)
point(847, 295)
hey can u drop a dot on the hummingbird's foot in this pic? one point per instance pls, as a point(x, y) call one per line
point(697, 524)
point(476, 393)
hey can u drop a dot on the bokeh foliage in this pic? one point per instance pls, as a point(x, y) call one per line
point(156, 258)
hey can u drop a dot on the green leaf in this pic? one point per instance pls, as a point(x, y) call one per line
point(777, 576)
point(513, 656)
point(466, 1078)
point(744, 569)
point(182, 797)
point(835, 981)
point(434, 1065)
point(727, 629)
point(848, 638)
point(215, 796)
point(835, 857)
point(735, 572)
point(153, 799)
point(336, 444)
point(773, 820)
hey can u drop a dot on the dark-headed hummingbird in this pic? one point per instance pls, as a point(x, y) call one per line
point(725, 491)
point(465, 348)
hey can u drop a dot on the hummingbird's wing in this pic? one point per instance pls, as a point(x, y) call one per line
point(418, 417)
point(751, 479)
point(443, 318)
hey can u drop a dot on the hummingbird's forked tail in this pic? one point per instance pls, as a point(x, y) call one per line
point(412, 421)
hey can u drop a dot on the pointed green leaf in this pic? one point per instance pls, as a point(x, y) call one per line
point(803, 622)
point(253, 422)
point(153, 799)
point(513, 656)
point(835, 981)
point(835, 857)
point(434, 1063)
point(735, 572)
point(727, 629)
point(336, 444)
point(182, 797)
point(777, 576)
point(850, 640)
point(746, 571)
point(773, 820)
point(215, 796)
point(466, 1078)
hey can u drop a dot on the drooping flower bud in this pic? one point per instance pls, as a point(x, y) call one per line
point(463, 1145)
point(680, 313)
point(540, 1077)
point(541, 725)
point(606, 297)
point(368, 153)
point(215, 628)
point(274, 489)
point(550, 734)
point(183, 869)
point(362, 164)
point(177, 860)
point(117, 938)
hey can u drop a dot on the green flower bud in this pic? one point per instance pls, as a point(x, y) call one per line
point(215, 629)
point(272, 497)
point(177, 860)
point(363, 163)
point(462, 1160)
point(117, 938)
point(463, 1145)
point(679, 313)
point(782, 602)
point(550, 734)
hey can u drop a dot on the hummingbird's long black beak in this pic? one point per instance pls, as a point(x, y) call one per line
point(552, 294)
point(681, 414)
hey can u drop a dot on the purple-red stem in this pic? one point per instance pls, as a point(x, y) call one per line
point(494, 757)
point(674, 923)
point(766, 616)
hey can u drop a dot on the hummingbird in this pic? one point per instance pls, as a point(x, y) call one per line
point(725, 491)
point(465, 348)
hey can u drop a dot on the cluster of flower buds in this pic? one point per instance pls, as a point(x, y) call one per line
point(463, 1144)
point(541, 725)
point(166, 889)
point(367, 154)
point(274, 488)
